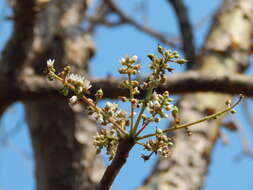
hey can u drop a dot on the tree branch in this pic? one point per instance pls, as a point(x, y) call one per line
point(62, 144)
point(186, 30)
point(126, 19)
point(124, 147)
point(225, 50)
point(192, 81)
point(17, 48)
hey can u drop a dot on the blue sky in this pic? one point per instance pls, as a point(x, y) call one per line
point(16, 162)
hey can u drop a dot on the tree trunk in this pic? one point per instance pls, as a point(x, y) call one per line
point(61, 136)
point(227, 51)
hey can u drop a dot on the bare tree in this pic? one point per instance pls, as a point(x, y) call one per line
point(64, 154)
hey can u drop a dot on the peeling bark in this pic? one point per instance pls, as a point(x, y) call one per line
point(61, 135)
point(228, 40)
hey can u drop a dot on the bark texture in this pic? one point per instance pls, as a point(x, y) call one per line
point(61, 135)
point(226, 51)
point(123, 149)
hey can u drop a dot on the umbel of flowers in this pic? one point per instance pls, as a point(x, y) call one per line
point(117, 124)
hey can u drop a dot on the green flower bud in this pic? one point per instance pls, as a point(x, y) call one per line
point(158, 131)
point(160, 49)
point(174, 111)
point(233, 111)
point(181, 61)
point(157, 119)
point(99, 94)
point(151, 56)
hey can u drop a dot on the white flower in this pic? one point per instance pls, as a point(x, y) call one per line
point(84, 83)
point(73, 100)
point(50, 63)
point(154, 96)
point(134, 58)
point(97, 117)
point(164, 151)
point(111, 106)
point(156, 104)
point(76, 78)
point(122, 61)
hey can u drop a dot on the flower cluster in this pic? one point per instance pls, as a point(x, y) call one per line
point(162, 145)
point(159, 65)
point(158, 103)
point(82, 85)
point(50, 69)
point(111, 110)
point(129, 66)
point(108, 140)
point(77, 83)
point(118, 124)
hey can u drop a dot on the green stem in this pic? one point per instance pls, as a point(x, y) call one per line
point(132, 106)
point(143, 127)
point(142, 110)
point(195, 122)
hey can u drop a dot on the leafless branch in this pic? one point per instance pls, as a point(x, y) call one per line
point(126, 19)
point(192, 81)
point(247, 112)
point(247, 150)
point(98, 17)
point(124, 147)
point(186, 30)
point(17, 47)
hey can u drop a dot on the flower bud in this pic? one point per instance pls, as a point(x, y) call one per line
point(160, 49)
point(181, 61)
point(99, 94)
point(158, 131)
point(151, 57)
point(73, 100)
point(134, 58)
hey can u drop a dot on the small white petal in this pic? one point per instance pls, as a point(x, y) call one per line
point(122, 60)
point(50, 63)
point(97, 117)
point(73, 100)
point(135, 58)
point(85, 84)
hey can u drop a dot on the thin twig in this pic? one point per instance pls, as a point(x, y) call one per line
point(195, 122)
point(247, 150)
point(143, 127)
point(126, 19)
point(248, 115)
point(86, 100)
point(186, 31)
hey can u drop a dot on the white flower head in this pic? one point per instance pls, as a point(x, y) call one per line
point(154, 96)
point(50, 63)
point(97, 117)
point(111, 106)
point(76, 78)
point(86, 85)
point(122, 61)
point(156, 104)
point(73, 100)
point(134, 58)
point(80, 80)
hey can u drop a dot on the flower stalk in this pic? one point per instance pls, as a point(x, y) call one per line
point(120, 130)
